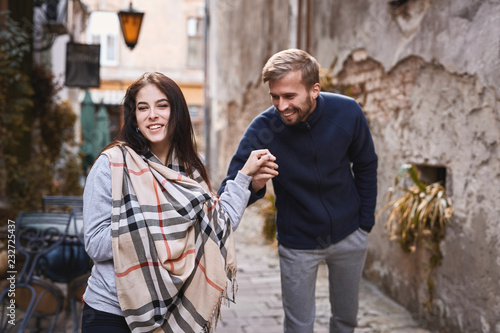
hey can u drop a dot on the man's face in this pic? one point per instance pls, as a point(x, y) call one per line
point(291, 98)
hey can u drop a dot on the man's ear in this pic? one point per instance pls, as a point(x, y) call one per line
point(315, 90)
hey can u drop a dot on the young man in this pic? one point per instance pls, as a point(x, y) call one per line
point(325, 191)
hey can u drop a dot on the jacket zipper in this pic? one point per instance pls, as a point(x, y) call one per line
point(318, 176)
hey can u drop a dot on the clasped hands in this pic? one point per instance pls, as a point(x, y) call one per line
point(260, 165)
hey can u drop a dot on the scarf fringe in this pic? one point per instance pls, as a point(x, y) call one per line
point(226, 298)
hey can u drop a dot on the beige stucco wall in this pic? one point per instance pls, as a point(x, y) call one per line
point(162, 44)
point(428, 76)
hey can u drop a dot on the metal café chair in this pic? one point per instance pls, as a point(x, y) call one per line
point(69, 260)
point(36, 234)
point(69, 263)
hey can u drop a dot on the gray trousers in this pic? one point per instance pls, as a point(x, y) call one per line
point(299, 268)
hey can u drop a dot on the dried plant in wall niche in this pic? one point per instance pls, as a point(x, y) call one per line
point(418, 216)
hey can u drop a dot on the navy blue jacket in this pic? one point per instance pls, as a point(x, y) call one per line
point(327, 183)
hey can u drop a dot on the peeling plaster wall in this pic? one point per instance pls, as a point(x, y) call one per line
point(243, 35)
point(428, 76)
point(462, 35)
point(420, 113)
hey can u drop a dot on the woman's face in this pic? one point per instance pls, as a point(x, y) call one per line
point(152, 111)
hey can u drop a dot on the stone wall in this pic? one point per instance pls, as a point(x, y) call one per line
point(243, 35)
point(427, 74)
point(422, 114)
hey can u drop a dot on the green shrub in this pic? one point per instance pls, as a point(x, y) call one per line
point(38, 154)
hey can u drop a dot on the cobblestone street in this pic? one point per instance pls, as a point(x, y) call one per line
point(258, 305)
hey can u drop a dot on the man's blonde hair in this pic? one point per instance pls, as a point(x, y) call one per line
point(284, 62)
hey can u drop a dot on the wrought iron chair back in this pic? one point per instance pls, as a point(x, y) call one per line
point(37, 233)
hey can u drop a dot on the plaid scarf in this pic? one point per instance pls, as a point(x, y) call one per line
point(173, 247)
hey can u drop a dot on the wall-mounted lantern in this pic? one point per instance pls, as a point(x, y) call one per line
point(130, 22)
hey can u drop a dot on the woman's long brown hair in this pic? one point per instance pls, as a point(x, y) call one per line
point(180, 131)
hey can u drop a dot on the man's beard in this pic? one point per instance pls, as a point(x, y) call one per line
point(301, 114)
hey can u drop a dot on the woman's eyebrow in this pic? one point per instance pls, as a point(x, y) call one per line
point(156, 102)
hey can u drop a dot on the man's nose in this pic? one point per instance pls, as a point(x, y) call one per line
point(282, 104)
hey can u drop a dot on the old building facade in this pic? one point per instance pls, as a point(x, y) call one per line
point(170, 41)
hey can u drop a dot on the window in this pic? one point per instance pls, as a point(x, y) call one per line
point(194, 112)
point(111, 51)
point(104, 29)
point(195, 42)
point(196, 119)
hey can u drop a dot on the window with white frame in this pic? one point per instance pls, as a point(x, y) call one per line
point(104, 29)
point(195, 42)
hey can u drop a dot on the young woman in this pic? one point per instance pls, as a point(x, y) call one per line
point(161, 241)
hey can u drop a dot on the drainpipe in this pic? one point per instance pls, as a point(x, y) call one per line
point(207, 105)
point(299, 25)
point(304, 23)
point(308, 26)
